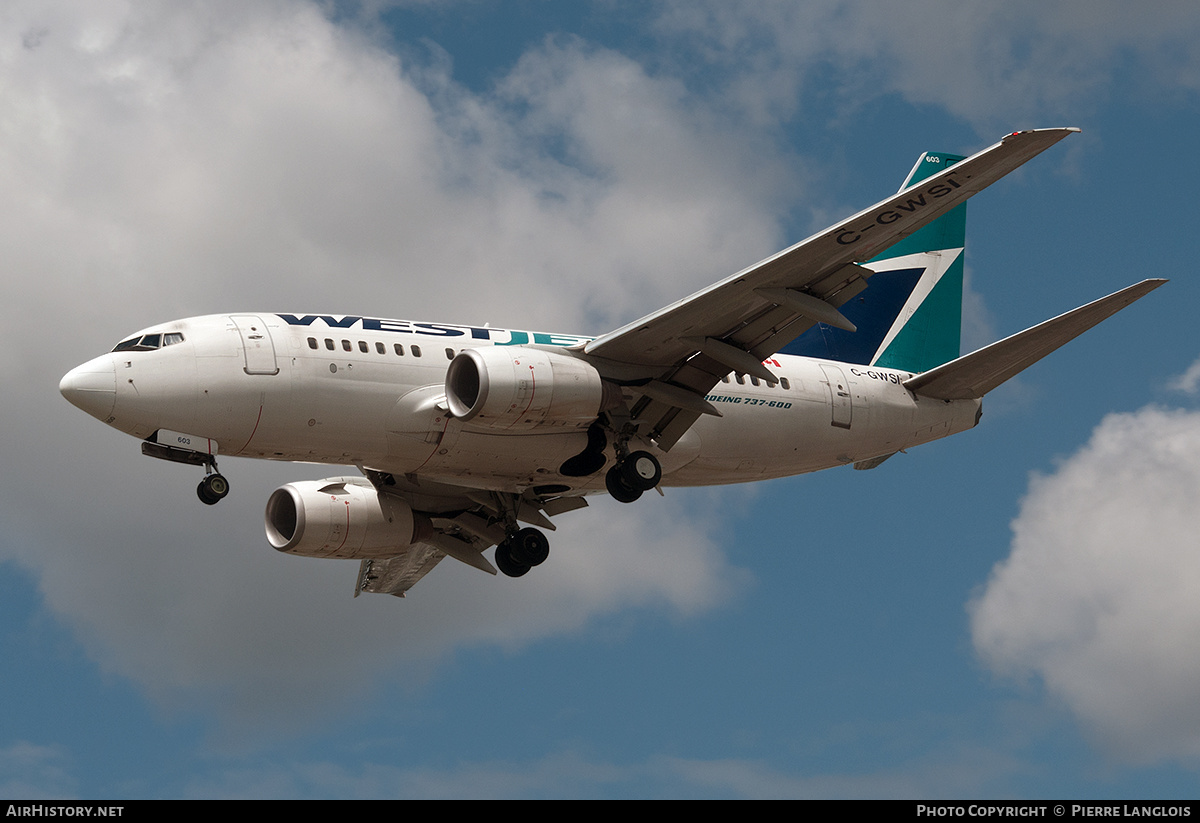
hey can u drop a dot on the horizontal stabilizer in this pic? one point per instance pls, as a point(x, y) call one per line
point(974, 375)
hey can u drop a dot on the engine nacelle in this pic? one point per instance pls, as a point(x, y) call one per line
point(516, 388)
point(341, 517)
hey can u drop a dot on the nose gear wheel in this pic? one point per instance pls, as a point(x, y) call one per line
point(212, 488)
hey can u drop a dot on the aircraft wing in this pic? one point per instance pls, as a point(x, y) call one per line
point(458, 537)
point(464, 524)
point(674, 356)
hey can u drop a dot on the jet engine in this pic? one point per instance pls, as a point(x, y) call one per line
point(517, 388)
point(341, 517)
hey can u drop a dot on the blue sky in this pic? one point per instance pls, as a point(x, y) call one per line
point(1009, 612)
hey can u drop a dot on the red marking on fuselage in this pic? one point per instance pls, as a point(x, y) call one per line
point(532, 392)
point(346, 534)
point(256, 422)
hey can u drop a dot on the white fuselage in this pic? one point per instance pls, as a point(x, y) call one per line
point(365, 392)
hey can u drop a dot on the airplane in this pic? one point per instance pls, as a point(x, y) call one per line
point(840, 350)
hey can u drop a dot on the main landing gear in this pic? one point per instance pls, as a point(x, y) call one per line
point(521, 551)
point(638, 472)
point(635, 472)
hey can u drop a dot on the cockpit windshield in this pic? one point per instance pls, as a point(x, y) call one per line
point(149, 342)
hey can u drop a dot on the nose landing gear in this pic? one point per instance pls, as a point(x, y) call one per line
point(212, 488)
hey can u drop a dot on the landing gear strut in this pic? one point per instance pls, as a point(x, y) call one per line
point(521, 551)
point(638, 472)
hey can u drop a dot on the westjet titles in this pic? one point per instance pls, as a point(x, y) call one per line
point(500, 337)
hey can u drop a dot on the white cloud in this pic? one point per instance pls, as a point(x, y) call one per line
point(1189, 381)
point(168, 159)
point(992, 64)
point(264, 152)
point(1100, 597)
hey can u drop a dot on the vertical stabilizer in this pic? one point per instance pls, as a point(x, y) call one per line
point(910, 315)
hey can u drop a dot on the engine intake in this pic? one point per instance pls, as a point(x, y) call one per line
point(341, 517)
point(516, 388)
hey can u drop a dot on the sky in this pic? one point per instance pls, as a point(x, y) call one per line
point(1011, 612)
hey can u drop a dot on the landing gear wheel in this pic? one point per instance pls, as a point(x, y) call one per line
point(529, 547)
point(206, 497)
point(507, 563)
point(621, 491)
point(212, 489)
point(640, 470)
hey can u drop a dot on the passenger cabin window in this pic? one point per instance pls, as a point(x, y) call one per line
point(399, 349)
point(379, 347)
point(740, 379)
point(329, 343)
point(362, 346)
point(346, 345)
point(449, 354)
point(783, 381)
point(416, 350)
point(312, 342)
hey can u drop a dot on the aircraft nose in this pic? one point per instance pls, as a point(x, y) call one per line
point(92, 387)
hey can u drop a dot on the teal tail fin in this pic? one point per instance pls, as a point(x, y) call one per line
point(910, 315)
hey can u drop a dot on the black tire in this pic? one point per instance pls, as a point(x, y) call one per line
point(529, 547)
point(618, 488)
point(212, 488)
point(641, 470)
point(507, 563)
point(205, 495)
